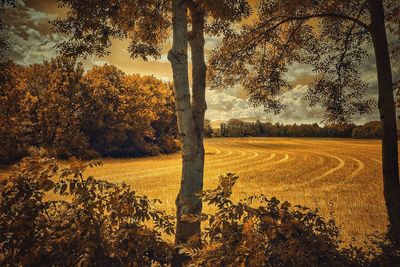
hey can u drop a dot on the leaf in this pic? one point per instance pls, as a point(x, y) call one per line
point(72, 187)
point(285, 205)
point(48, 185)
point(193, 240)
point(248, 227)
point(63, 188)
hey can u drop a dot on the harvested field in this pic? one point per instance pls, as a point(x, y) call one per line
point(340, 177)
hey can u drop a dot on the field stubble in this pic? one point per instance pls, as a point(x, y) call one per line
point(338, 176)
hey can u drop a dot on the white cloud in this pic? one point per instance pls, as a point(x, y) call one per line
point(225, 105)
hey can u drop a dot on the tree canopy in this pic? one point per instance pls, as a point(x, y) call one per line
point(93, 25)
point(331, 38)
point(103, 112)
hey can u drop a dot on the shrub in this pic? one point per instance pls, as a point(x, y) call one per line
point(83, 222)
point(257, 231)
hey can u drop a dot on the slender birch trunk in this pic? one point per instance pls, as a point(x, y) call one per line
point(190, 116)
point(388, 117)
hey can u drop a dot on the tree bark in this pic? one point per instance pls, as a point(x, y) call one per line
point(190, 117)
point(196, 40)
point(388, 118)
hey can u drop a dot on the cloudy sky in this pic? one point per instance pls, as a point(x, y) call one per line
point(33, 41)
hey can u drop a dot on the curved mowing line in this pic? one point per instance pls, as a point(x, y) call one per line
point(285, 158)
point(244, 156)
point(360, 167)
point(259, 162)
point(245, 161)
point(154, 172)
point(345, 182)
point(332, 170)
point(211, 165)
point(273, 155)
point(215, 164)
point(376, 160)
point(145, 172)
point(339, 166)
point(209, 153)
point(263, 164)
point(228, 155)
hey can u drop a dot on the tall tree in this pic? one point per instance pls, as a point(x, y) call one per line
point(207, 129)
point(56, 111)
point(14, 123)
point(146, 23)
point(333, 37)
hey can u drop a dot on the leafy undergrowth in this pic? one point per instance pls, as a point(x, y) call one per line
point(106, 224)
point(257, 231)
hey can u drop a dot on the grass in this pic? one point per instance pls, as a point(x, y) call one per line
point(340, 177)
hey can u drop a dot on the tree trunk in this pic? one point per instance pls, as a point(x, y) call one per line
point(196, 39)
point(190, 117)
point(388, 118)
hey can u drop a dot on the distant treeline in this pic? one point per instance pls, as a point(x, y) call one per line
point(238, 128)
point(69, 112)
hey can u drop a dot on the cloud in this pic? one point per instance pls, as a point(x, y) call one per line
point(224, 105)
point(29, 34)
point(34, 48)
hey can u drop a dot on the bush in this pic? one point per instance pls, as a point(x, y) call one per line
point(90, 222)
point(257, 231)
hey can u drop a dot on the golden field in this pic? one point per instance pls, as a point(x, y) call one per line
point(338, 176)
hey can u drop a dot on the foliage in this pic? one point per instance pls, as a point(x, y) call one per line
point(385, 253)
point(57, 106)
point(238, 128)
point(83, 221)
point(58, 216)
point(127, 112)
point(257, 231)
point(372, 130)
point(330, 39)
point(14, 120)
point(207, 129)
point(145, 23)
